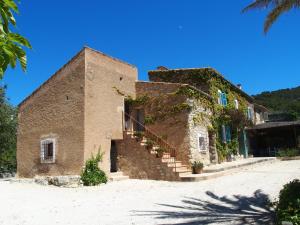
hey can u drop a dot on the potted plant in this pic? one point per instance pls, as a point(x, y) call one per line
point(160, 152)
point(197, 167)
point(138, 135)
point(149, 144)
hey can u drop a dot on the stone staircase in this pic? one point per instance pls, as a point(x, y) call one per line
point(167, 163)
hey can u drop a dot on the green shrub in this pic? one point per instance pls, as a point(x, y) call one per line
point(139, 134)
point(160, 152)
point(92, 175)
point(288, 206)
point(149, 120)
point(149, 143)
point(8, 162)
point(290, 152)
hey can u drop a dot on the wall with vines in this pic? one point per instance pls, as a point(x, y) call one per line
point(210, 81)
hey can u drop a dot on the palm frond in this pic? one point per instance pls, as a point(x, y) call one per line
point(284, 6)
point(258, 4)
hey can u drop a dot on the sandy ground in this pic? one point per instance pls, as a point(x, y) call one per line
point(233, 199)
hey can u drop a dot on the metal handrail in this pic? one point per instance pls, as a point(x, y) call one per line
point(158, 140)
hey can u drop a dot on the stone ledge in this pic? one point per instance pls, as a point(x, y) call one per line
point(59, 181)
point(222, 171)
point(236, 164)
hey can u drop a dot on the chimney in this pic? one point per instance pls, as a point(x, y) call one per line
point(162, 68)
point(239, 86)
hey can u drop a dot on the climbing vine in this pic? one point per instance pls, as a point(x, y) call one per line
point(210, 80)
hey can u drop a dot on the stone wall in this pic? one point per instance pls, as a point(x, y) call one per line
point(199, 128)
point(55, 110)
point(104, 106)
point(174, 127)
point(79, 108)
point(137, 163)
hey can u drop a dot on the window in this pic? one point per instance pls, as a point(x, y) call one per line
point(202, 142)
point(236, 104)
point(222, 98)
point(226, 133)
point(48, 151)
point(219, 97)
point(249, 113)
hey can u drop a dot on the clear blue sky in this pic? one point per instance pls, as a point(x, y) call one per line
point(148, 33)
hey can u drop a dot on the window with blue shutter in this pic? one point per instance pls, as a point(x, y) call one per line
point(224, 99)
point(220, 94)
point(249, 113)
point(228, 134)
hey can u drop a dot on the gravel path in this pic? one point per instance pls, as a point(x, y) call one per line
point(234, 199)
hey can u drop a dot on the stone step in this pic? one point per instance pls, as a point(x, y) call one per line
point(169, 159)
point(118, 176)
point(183, 174)
point(173, 164)
point(182, 169)
point(119, 173)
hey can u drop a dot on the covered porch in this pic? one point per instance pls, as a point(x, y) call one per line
point(268, 138)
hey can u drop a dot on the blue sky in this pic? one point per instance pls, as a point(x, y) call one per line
point(149, 33)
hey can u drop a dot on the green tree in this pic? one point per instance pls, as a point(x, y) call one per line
point(11, 44)
point(8, 130)
point(278, 7)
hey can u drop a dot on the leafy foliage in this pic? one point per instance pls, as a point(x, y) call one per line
point(92, 175)
point(8, 129)
point(288, 152)
point(278, 7)
point(160, 152)
point(284, 100)
point(288, 206)
point(197, 167)
point(11, 44)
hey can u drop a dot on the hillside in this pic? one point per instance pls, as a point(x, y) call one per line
point(284, 100)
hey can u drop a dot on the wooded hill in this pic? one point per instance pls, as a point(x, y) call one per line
point(284, 100)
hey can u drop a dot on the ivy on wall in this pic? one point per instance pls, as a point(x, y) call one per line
point(211, 81)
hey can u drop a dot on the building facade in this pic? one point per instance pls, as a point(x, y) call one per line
point(95, 102)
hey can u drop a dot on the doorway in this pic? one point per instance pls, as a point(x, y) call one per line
point(113, 157)
point(140, 118)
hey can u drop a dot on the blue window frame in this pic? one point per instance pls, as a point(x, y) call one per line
point(226, 133)
point(222, 98)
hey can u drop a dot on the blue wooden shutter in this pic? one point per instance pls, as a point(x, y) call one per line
point(224, 99)
point(228, 134)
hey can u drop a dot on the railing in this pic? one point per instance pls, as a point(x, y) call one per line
point(148, 133)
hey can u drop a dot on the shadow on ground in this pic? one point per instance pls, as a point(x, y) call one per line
point(238, 210)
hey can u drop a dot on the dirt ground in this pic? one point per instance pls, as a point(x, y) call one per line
point(238, 198)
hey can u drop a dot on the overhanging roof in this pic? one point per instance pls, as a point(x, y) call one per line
point(274, 125)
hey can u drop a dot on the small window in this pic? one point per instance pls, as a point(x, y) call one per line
point(219, 97)
point(48, 151)
point(249, 113)
point(222, 98)
point(202, 142)
point(236, 104)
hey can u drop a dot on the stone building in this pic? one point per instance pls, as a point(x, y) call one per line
point(148, 130)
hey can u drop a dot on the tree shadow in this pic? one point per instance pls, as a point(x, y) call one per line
point(238, 210)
